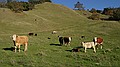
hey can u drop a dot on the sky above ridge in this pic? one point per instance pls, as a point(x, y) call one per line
point(88, 4)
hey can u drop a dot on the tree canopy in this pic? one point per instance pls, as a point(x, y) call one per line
point(79, 6)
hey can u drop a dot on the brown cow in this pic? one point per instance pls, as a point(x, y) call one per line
point(20, 40)
point(98, 41)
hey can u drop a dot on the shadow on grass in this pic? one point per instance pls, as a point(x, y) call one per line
point(76, 49)
point(55, 44)
point(9, 49)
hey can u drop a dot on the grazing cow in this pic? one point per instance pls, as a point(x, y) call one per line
point(64, 40)
point(98, 41)
point(82, 36)
point(35, 34)
point(30, 34)
point(20, 40)
point(54, 32)
point(88, 45)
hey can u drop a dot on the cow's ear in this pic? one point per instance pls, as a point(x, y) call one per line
point(59, 36)
point(16, 36)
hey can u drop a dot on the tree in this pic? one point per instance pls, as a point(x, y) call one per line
point(20, 6)
point(93, 10)
point(99, 11)
point(79, 6)
point(116, 14)
point(27, 6)
point(38, 1)
point(15, 6)
point(108, 11)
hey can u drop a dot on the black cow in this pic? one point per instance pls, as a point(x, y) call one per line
point(64, 40)
point(30, 34)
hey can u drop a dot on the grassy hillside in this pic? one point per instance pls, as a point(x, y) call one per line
point(44, 52)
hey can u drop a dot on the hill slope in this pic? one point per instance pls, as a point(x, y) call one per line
point(44, 52)
point(45, 16)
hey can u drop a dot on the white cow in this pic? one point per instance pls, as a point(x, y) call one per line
point(54, 32)
point(89, 45)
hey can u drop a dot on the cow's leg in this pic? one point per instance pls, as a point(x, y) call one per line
point(101, 46)
point(97, 46)
point(25, 47)
point(19, 47)
point(15, 48)
point(94, 49)
point(85, 50)
point(65, 43)
point(61, 43)
point(69, 43)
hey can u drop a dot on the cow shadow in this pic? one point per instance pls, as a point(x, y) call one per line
point(75, 49)
point(55, 44)
point(9, 49)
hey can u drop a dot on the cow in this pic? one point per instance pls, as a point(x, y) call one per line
point(86, 45)
point(30, 34)
point(65, 40)
point(35, 34)
point(20, 40)
point(54, 32)
point(82, 36)
point(98, 41)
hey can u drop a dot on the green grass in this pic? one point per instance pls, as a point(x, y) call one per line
point(44, 52)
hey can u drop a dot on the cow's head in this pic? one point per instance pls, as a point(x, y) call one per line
point(95, 38)
point(14, 37)
point(82, 44)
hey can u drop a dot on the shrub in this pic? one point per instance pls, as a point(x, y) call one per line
point(94, 16)
point(38, 1)
point(20, 6)
point(116, 15)
point(15, 6)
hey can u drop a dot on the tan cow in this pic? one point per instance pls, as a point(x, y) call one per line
point(88, 45)
point(20, 40)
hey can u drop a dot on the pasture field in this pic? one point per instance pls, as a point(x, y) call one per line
point(44, 49)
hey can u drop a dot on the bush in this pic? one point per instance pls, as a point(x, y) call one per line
point(116, 15)
point(20, 6)
point(15, 6)
point(38, 1)
point(94, 16)
point(2, 5)
point(27, 6)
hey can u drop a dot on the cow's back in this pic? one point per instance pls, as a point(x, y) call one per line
point(88, 44)
point(22, 39)
point(66, 39)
